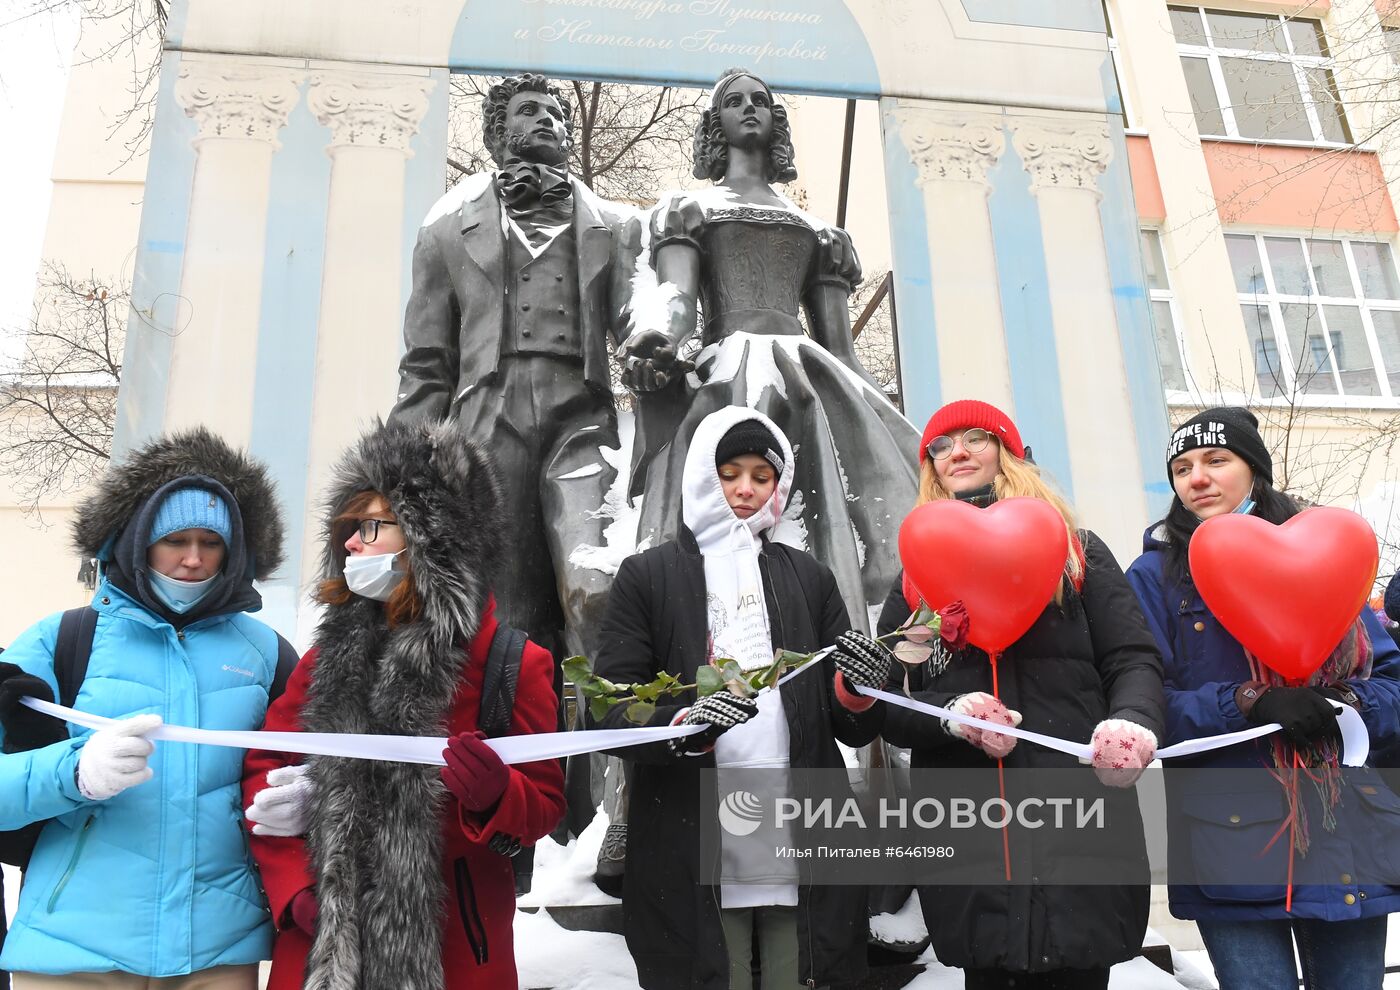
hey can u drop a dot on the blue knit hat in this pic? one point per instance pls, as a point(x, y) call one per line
point(192, 508)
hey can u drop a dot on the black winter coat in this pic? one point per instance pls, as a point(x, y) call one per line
point(656, 620)
point(1090, 660)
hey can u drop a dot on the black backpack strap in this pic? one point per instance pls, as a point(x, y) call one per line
point(498, 684)
point(70, 656)
point(287, 660)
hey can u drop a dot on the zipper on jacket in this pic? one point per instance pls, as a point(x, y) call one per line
point(471, 920)
point(72, 861)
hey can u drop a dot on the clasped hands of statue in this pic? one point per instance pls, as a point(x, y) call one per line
point(649, 361)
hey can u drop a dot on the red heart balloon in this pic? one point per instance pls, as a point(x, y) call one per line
point(1287, 593)
point(1002, 562)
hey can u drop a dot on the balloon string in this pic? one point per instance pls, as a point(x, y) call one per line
point(1001, 777)
point(1292, 836)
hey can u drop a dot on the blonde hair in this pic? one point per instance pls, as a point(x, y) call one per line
point(1018, 478)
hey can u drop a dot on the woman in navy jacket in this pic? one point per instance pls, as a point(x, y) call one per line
point(1218, 463)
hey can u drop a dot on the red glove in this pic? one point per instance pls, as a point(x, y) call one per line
point(474, 773)
point(304, 909)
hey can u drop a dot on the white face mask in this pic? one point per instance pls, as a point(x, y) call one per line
point(373, 577)
point(179, 596)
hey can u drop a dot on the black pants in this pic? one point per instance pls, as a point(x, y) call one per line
point(1055, 979)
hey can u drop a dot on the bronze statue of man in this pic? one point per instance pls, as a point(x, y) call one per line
point(518, 276)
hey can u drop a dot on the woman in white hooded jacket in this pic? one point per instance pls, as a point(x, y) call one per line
point(725, 588)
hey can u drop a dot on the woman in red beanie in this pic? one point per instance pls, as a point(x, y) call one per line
point(1088, 670)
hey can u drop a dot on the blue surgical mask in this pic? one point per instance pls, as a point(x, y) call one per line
point(1245, 507)
point(373, 576)
point(179, 596)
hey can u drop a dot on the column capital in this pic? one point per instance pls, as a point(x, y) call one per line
point(369, 109)
point(951, 147)
point(237, 100)
point(1063, 154)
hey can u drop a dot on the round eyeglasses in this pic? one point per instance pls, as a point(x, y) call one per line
point(973, 440)
point(369, 529)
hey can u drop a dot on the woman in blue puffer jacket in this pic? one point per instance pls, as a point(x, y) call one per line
point(142, 870)
point(1234, 826)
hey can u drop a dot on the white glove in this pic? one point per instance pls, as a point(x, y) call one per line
point(284, 806)
point(114, 758)
point(979, 704)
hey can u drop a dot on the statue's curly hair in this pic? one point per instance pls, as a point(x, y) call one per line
point(711, 150)
point(497, 99)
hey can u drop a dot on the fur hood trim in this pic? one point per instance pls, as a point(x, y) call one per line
point(126, 487)
point(443, 489)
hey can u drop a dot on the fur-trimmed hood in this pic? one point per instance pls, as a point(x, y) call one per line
point(375, 838)
point(443, 489)
point(127, 487)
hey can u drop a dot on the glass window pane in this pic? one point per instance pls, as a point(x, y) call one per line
point(1377, 270)
point(1266, 99)
point(1350, 351)
point(1306, 340)
point(1329, 266)
point(1289, 268)
point(1244, 262)
point(1153, 262)
point(1387, 324)
point(1186, 25)
point(1168, 349)
point(1322, 91)
point(1267, 366)
point(1249, 32)
point(1204, 103)
point(1307, 37)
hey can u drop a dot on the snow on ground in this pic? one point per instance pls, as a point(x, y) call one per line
point(905, 925)
point(564, 874)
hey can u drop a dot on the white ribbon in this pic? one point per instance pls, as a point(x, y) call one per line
point(1356, 744)
point(399, 749)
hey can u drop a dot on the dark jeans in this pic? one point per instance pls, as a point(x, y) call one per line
point(1258, 955)
point(1054, 979)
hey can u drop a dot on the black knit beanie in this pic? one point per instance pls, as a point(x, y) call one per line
point(749, 437)
point(1231, 428)
point(1392, 599)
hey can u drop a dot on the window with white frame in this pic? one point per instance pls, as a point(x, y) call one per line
point(1322, 315)
point(1164, 323)
point(1260, 76)
point(1115, 54)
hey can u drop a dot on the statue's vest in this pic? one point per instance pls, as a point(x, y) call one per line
point(542, 310)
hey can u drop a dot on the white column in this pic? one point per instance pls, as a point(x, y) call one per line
point(372, 117)
point(240, 105)
point(1065, 157)
point(953, 151)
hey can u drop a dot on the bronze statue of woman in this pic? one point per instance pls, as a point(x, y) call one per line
point(749, 262)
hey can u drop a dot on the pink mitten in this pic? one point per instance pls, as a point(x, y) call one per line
point(1121, 750)
point(981, 705)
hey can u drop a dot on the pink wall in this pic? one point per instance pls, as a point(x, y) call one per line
point(1273, 186)
point(1147, 191)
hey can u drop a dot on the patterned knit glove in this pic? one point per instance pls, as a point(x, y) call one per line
point(979, 704)
point(864, 662)
point(1121, 751)
point(718, 713)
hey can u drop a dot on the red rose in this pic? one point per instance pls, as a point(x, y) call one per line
point(953, 629)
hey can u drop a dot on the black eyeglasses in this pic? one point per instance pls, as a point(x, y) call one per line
point(973, 440)
point(369, 529)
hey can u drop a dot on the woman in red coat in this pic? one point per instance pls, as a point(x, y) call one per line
point(396, 876)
